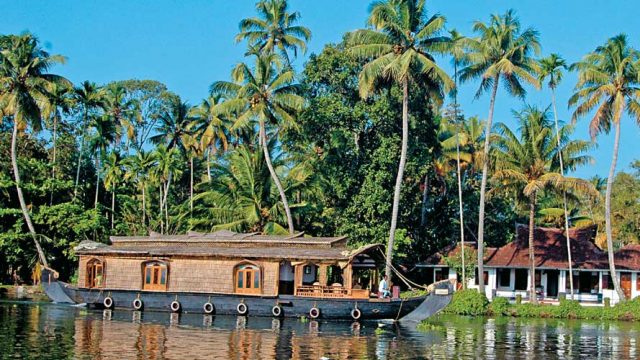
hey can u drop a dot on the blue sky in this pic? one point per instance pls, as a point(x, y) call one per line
point(189, 44)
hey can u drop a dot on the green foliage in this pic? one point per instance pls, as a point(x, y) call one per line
point(499, 306)
point(467, 302)
point(454, 260)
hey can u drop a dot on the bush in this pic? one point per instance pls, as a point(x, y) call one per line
point(499, 306)
point(467, 302)
point(569, 309)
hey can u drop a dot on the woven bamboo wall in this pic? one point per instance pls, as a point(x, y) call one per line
point(185, 275)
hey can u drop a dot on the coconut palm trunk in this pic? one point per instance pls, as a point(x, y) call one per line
point(398, 186)
point(191, 185)
point(272, 171)
point(53, 160)
point(23, 205)
point(532, 259)
point(113, 207)
point(84, 130)
point(144, 207)
point(459, 174)
point(564, 193)
point(607, 212)
point(483, 185)
point(95, 205)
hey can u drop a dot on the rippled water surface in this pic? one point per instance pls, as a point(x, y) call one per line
point(46, 331)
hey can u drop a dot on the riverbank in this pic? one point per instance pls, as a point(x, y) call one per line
point(470, 302)
point(23, 292)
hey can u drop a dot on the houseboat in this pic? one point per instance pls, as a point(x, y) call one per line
point(232, 274)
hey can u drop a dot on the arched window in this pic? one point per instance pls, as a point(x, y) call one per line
point(155, 276)
point(95, 274)
point(248, 279)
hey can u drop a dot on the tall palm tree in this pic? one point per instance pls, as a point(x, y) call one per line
point(265, 94)
point(399, 46)
point(59, 102)
point(502, 51)
point(173, 125)
point(24, 84)
point(120, 109)
point(211, 123)
point(112, 175)
point(275, 28)
point(137, 168)
point(240, 197)
point(527, 165)
point(104, 134)
point(89, 97)
point(609, 81)
point(551, 68)
point(168, 166)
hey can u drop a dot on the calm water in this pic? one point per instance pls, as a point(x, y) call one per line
point(47, 331)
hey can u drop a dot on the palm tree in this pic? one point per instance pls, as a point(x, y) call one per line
point(89, 97)
point(168, 166)
point(173, 125)
point(211, 123)
point(120, 109)
point(59, 102)
point(103, 136)
point(502, 51)
point(528, 165)
point(137, 168)
point(275, 28)
point(551, 68)
point(399, 47)
point(609, 81)
point(266, 94)
point(192, 149)
point(240, 197)
point(24, 84)
point(112, 175)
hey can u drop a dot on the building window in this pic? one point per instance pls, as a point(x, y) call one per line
point(95, 274)
point(441, 274)
point(504, 277)
point(606, 282)
point(485, 277)
point(521, 279)
point(155, 276)
point(248, 279)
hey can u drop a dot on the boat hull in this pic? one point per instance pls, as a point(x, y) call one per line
point(227, 304)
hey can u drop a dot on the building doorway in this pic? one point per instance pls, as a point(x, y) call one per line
point(625, 284)
point(552, 282)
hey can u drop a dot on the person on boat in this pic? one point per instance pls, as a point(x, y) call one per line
point(383, 288)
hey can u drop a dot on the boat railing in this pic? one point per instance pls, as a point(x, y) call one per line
point(322, 291)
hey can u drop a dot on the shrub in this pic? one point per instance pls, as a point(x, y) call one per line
point(467, 302)
point(569, 309)
point(499, 306)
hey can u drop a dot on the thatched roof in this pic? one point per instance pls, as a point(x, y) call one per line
point(227, 244)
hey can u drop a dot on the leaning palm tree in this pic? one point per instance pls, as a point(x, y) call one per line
point(275, 28)
point(551, 68)
point(89, 97)
point(265, 94)
point(527, 165)
point(399, 47)
point(24, 84)
point(211, 124)
point(501, 52)
point(609, 81)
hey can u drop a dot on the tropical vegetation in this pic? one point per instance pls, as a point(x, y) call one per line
point(367, 139)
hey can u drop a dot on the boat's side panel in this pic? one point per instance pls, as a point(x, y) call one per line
point(257, 306)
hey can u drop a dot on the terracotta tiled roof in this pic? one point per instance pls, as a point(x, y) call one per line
point(437, 259)
point(550, 249)
point(628, 257)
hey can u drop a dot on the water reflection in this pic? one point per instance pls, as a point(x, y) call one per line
point(46, 331)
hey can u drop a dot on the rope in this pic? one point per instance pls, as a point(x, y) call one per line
point(408, 282)
point(400, 309)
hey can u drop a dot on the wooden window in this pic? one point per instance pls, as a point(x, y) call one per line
point(248, 279)
point(485, 277)
point(155, 276)
point(95, 274)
